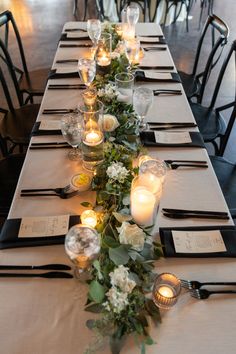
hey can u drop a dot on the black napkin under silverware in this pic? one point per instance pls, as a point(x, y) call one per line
point(82, 38)
point(54, 75)
point(156, 67)
point(140, 76)
point(36, 131)
point(148, 139)
point(228, 234)
point(85, 45)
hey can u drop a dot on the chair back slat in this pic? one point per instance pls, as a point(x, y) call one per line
point(219, 26)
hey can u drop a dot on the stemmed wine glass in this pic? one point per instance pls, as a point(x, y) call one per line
point(132, 14)
point(132, 48)
point(71, 128)
point(142, 101)
point(94, 29)
point(87, 70)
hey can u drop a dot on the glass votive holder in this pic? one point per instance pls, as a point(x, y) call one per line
point(156, 167)
point(89, 218)
point(90, 97)
point(166, 289)
point(124, 86)
point(82, 245)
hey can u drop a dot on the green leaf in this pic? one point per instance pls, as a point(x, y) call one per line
point(109, 241)
point(90, 324)
point(122, 217)
point(149, 341)
point(86, 204)
point(119, 255)
point(96, 291)
point(94, 308)
point(143, 350)
point(97, 266)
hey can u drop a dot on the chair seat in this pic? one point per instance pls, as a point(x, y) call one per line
point(190, 84)
point(226, 175)
point(210, 123)
point(10, 168)
point(35, 82)
point(17, 126)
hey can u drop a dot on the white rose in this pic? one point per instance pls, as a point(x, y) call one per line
point(132, 235)
point(108, 122)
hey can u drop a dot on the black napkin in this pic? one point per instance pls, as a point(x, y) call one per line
point(9, 235)
point(54, 75)
point(65, 38)
point(228, 234)
point(36, 131)
point(154, 41)
point(148, 139)
point(140, 76)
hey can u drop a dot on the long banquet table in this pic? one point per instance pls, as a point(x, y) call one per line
point(47, 316)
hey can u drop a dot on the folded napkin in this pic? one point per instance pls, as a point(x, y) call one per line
point(72, 37)
point(148, 139)
point(228, 234)
point(58, 74)
point(152, 40)
point(10, 230)
point(156, 77)
point(36, 131)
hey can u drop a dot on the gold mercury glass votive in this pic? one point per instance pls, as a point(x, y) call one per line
point(166, 290)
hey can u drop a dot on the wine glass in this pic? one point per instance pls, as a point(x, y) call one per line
point(132, 14)
point(94, 29)
point(82, 246)
point(71, 128)
point(132, 48)
point(142, 101)
point(87, 70)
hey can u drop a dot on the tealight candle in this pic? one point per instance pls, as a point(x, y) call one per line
point(93, 138)
point(89, 218)
point(166, 290)
point(143, 206)
point(103, 60)
point(81, 182)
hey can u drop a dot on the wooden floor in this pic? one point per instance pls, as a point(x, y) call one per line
point(40, 24)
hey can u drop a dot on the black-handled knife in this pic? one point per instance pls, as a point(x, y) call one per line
point(194, 211)
point(32, 267)
point(197, 216)
point(48, 275)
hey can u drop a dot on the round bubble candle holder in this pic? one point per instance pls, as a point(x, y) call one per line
point(166, 290)
point(82, 245)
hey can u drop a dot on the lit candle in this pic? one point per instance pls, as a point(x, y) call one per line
point(166, 290)
point(103, 60)
point(89, 218)
point(152, 182)
point(143, 206)
point(93, 138)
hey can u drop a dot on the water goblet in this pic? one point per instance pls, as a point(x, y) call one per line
point(142, 101)
point(94, 29)
point(71, 128)
point(87, 70)
point(132, 14)
point(82, 245)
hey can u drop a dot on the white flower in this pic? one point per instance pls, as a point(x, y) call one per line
point(117, 172)
point(115, 55)
point(108, 122)
point(117, 299)
point(132, 235)
point(120, 278)
point(108, 91)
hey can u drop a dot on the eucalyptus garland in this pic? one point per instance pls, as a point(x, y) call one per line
point(122, 276)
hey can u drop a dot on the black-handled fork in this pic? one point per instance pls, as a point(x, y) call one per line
point(45, 266)
point(202, 294)
point(194, 284)
point(153, 49)
point(174, 166)
point(63, 193)
point(48, 275)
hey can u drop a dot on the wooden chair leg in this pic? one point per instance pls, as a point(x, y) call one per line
point(75, 7)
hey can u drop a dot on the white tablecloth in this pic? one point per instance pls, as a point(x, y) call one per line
point(42, 316)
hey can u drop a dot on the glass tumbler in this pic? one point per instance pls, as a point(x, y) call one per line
point(124, 86)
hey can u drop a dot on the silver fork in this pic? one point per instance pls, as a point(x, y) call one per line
point(194, 284)
point(202, 294)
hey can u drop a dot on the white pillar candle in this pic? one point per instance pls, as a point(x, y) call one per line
point(152, 182)
point(143, 206)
